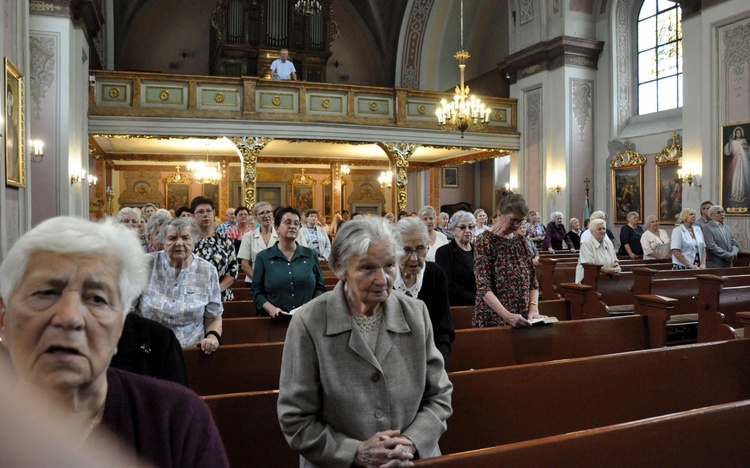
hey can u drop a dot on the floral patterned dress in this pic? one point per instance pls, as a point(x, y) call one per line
point(219, 251)
point(502, 266)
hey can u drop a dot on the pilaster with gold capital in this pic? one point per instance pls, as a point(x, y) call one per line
point(398, 154)
point(250, 148)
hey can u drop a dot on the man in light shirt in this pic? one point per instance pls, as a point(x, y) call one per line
point(282, 68)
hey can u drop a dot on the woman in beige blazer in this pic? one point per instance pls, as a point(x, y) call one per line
point(361, 380)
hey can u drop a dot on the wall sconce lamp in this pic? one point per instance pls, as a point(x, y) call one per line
point(510, 189)
point(78, 177)
point(92, 180)
point(37, 151)
point(686, 176)
point(386, 179)
point(555, 190)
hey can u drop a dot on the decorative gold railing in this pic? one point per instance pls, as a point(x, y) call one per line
point(251, 98)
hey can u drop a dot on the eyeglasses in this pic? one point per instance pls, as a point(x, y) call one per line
point(421, 250)
point(203, 212)
point(289, 222)
point(515, 222)
point(133, 221)
point(464, 227)
point(265, 212)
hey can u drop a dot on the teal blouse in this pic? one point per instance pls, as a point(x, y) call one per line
point(284, 283)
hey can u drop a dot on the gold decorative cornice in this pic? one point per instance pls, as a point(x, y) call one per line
point(670, 153)
point(303, 179)
point(177, 178)
point(628, 157)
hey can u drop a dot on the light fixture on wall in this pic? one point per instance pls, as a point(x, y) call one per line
point(465, 112)
point(510, 188)
point(555, 189)
point(386, 179)
point(686, 176)
point(308, 7)
point(92, 180)
point(37, 151)
point(78, 177)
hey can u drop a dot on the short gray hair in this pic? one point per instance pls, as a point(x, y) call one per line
point(597, 215)
point(157, 220)
point(596, 222)
point(712, 211)
point(67, 235)
point(179, 224)
point(258, 205)
point(650, 219)
point(411, 227)
point(555, 214)
point(427, 209)
point(477, 211)
point(128, 211)
point(633, 214)
point(570, 223)
point(459, 217)
point(357, 236)
point(443, 215)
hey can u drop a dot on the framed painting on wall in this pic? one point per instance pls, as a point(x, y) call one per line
point(15, 134)
point(735, 168)
point(327, 200)
point(273, 193)
point(627, 193)
point(669, 193)
point(450, 177)
point(212, 191)
point(177, 195)
point(302, 197)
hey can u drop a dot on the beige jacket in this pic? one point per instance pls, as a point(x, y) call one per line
point(334, 392)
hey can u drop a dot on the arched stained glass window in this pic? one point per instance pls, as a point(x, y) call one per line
point(659, 56)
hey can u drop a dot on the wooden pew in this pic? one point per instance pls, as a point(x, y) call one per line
point(238, 309)
point(563, 340)
point(234, 368)
point(462, 316)
point(250, 430)
point(530, 401)
point(242, 294)
point(552, 399)
point(254, 330)
point(718, 300)
point(709, 436)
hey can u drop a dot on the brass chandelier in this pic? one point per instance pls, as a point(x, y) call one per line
point(465, 112)
point(308, 7)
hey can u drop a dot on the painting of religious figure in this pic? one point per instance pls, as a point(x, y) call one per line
point(669, 188)
point(628, 192)
point(735, 168)
point(302, 197)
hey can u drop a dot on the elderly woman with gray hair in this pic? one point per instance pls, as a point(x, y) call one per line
point(630, 237)
point(426, 281)
point(153, 229)
point(183, 290)
point(598, 249)
point(457, 260)
point(655, 241)
point(353, 348)
point(556, 234)
point(66, 287)
point(428, 215)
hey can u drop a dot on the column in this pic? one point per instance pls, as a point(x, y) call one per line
point(249, 148)
point(398, 154)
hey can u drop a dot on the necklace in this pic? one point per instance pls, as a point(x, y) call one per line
point(94, 422)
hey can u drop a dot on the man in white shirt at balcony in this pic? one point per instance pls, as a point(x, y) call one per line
point(282, 68)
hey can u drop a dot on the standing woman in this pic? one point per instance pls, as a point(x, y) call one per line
point(183, 290)
point(263, 237)
point(437, 239)
point(457, 260)
point(426, 281)
point(688, 245)
point(575, 233)
point(598, 249)
point(286, 275)
point(507, 288)
point(555, 235)
point(481, 218)
point(630, 237)
point(655, 241)
point(243, 226)
point(216, 247)
point(315, 236)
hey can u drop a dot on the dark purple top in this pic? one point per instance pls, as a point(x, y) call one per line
point(555, 236)
point(165, 423)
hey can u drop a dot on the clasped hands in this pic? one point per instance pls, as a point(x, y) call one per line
point(385, 449)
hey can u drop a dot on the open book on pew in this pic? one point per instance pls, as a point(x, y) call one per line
point(543, 321)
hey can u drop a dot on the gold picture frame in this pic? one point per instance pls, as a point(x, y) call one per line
point(627, 193)
point(734, 188)
point(301, 191)
point(15, 131)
